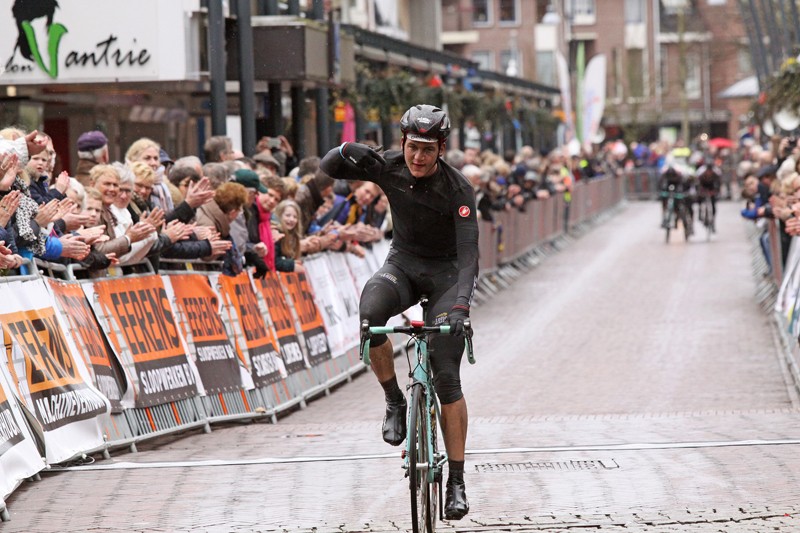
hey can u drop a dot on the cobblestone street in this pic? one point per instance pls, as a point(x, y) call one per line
point(623, 385)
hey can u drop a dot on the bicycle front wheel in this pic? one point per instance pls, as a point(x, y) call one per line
point(424, 490)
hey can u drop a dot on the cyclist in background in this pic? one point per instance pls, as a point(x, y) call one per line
point(709, 183)
point(434, 251)
point(672, 177)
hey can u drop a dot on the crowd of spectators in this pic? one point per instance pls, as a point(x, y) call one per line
point(227, 210)
point(771, 188)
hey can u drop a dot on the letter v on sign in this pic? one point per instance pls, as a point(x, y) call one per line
point(54, 34)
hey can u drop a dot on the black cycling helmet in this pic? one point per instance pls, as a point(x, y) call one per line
point(425, 123)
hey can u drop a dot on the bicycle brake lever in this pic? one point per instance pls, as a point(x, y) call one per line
point(365, 336)
point(468, 341)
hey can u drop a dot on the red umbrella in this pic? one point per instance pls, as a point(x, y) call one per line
point(720, 142)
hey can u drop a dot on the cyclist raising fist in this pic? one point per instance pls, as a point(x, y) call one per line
point(434, 252)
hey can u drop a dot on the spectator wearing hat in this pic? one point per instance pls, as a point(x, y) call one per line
point(92, 150)
point(260, 247)
point(264, 160)
point(238, 227)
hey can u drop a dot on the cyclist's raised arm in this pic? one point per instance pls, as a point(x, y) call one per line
point(353, 161)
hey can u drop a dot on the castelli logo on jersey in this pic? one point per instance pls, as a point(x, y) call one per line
point(463, 211)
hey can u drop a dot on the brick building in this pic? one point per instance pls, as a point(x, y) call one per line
point(642, 42)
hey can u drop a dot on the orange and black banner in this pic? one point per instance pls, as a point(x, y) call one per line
point(141, 309)
point(10, 432)
point(108, 373)
point(281, 316)
point(310, 319)
point(215, 356)
point(58, 392)
point(264, 356)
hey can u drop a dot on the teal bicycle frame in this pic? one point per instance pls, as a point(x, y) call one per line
point(426, 474)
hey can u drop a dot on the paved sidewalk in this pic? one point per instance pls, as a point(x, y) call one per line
point(623, 385)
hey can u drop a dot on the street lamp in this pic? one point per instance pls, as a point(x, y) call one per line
point(679, 8)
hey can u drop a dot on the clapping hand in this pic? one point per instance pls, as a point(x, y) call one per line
point(73, 247)
point(47, 213)
point(199, 193)
point(8, 170)
point(62, 182)
point(8, 206)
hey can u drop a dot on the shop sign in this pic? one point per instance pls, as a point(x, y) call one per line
point(86, 41)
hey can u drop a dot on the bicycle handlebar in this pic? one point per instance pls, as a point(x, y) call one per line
point(415, 329)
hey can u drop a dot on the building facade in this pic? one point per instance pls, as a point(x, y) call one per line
point(667, 60)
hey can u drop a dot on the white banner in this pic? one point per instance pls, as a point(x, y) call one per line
point(787, 303)
point(328, 300)
point(564, 84)
point(53, 381)
point(74, 41)
point(594, 97)
point(19, 457)
point(348, 298)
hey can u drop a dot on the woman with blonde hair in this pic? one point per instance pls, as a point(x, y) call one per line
point(149, 152)
point(289, 248)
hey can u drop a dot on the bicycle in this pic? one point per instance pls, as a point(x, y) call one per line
point(706, 215)
point(422, 459)
point(674, 212)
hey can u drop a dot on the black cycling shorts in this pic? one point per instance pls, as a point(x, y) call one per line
point(397, 286)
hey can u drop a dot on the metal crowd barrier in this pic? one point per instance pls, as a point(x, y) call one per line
point(641, 183)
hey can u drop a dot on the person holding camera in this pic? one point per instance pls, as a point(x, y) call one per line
point(281, 150)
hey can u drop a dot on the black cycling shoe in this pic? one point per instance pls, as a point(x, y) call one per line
point(456, 505)
point(394, 423)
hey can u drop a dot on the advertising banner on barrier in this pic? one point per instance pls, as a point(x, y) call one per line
point(215, 356)
point(109, 376)
point(335, 295)
point(360, 269)
point(149, 338)
point(19, 457)
point(310, 319)
point(266, 365)
point(282, 321)
point(52, 382)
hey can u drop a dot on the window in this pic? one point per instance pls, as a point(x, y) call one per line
point(510, 64)
point(692, 85)
point(582, 8)
point(481, 12)
point(745, 61)
point(509, 11)
point(634, 11)
point(636, 72)
point(483, 59)
point(546, 67)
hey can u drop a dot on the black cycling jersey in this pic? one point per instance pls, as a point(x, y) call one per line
point(433, 217)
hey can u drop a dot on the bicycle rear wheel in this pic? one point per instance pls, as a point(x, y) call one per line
point(424, 494)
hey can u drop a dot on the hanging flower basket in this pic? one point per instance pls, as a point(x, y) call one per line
point(783, 90)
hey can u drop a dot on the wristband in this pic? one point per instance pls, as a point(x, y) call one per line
point(341, 150)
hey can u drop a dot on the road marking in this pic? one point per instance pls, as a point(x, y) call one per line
point(393, 455)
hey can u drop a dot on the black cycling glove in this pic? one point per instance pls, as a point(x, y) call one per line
point(456, 317)
point(361, 155)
